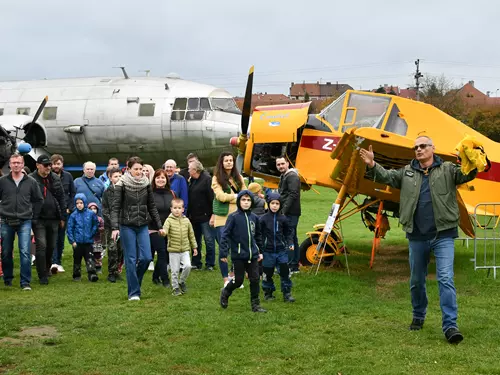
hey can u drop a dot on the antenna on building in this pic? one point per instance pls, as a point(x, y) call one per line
point(123, 71)
point(147, 71)
point(418, 75)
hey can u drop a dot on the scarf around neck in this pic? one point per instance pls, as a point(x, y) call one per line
point(131, 183)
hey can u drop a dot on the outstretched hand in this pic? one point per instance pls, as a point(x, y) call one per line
point(367, 156)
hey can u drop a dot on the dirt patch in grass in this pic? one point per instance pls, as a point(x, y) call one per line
point(47, 333)
point(41, 332)
point(391, 263)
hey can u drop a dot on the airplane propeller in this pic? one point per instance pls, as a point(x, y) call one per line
point(40, 109)
point(245, 121)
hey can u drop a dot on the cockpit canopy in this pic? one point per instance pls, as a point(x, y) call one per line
point(195, 108)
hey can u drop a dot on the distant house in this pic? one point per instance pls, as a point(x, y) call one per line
point(408, 93)
point(472, 97)
point(265, 99)
point(317, 90)
point(388, 89)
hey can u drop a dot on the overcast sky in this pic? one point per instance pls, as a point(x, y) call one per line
point(364, 43)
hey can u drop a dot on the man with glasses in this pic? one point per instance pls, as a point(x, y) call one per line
point(20, 202)
point(52, 216)
point(429, 215)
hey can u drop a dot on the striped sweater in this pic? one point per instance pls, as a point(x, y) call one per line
point(180, 234)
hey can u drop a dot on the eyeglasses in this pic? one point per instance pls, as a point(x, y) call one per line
point(422, 146)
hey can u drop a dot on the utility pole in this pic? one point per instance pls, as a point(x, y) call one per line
point(418, 75)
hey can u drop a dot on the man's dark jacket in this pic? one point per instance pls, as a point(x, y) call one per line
point(289, 189)
point(201, 197)
point(54, 201)
point(20, 202)
point(69, 188)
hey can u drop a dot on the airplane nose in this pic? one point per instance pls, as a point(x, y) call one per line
point(234, 141)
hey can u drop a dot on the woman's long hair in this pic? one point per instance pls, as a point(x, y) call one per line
point(158, 173)
point(222, 176)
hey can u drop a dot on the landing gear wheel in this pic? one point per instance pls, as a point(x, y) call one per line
point(308, 251)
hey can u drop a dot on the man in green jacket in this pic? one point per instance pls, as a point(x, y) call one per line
point(429, 214)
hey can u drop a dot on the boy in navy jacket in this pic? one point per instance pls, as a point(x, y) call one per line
point(277, 240)
point(82, 227)
point(241, 236)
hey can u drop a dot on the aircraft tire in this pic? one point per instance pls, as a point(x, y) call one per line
point(308, 250)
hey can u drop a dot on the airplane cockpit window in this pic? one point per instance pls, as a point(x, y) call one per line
point(396, 124)
point(23, 111)
point(179, 110)
point(225, 105)
point(332, 113)
point(194, 115)
point(367, 111)
point(204, 104)
point(193, 103)
point(147, 109)
point(50, 113)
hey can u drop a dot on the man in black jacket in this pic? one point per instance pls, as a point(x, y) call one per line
point(289, 189)
point(201, 197)
point(52, 215)
point(20, 202)
point(69, 192)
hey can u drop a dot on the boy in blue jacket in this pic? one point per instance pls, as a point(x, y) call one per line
point(276, 235)
point(82, 227)
point(241, 235)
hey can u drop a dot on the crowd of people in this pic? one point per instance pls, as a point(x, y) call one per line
point(134, 213)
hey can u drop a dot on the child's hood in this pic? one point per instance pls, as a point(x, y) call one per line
point(273, 197)
point(82, 197)
point(241, 194)
point(93, 204)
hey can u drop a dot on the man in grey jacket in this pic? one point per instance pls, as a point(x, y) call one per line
point(289, 189)
point(20, 203)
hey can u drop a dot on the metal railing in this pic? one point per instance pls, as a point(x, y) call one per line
point(487, 220)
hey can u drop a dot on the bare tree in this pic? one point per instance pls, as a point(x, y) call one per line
point(442, 93)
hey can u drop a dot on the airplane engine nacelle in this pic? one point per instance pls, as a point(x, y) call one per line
point(19, 130)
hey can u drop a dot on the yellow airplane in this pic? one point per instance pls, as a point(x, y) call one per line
point(324, 149)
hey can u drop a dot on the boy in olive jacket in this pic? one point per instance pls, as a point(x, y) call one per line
point(181, 240)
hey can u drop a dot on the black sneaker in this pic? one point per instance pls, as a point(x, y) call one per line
point(7, 283)
point(184, 288)
point(77, 278)
point(112, 278)
point(44, 281)
point(287, 297)
point(26, 287)
point(224, 299)
point(453, 335)
point(209, 268)
point(416, 324)
point(93, 278)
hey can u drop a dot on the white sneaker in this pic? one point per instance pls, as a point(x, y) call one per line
point(32, 260)
point(134, 298)
point(54, 269)
point(60, 268)
point(151, 266)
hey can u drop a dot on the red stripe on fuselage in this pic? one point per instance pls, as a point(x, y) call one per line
point(322, 143)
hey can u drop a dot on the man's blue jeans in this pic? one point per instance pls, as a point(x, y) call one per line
point(137, 253)
point(24, 235)
point(444, 252)
point(294, 258)
point(58, 251)
point(203, 229)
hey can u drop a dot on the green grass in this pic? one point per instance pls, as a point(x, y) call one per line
point(340, 324)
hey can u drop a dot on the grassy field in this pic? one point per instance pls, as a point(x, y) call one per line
point(340, 324)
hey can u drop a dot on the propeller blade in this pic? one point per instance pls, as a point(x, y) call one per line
point(40, 109)
point(247, 103)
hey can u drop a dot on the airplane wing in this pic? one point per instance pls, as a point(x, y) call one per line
point(391, 151)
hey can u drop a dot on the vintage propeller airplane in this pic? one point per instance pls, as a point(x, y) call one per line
point(325, 151)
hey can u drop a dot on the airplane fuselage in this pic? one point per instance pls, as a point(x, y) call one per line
point(98, 118)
